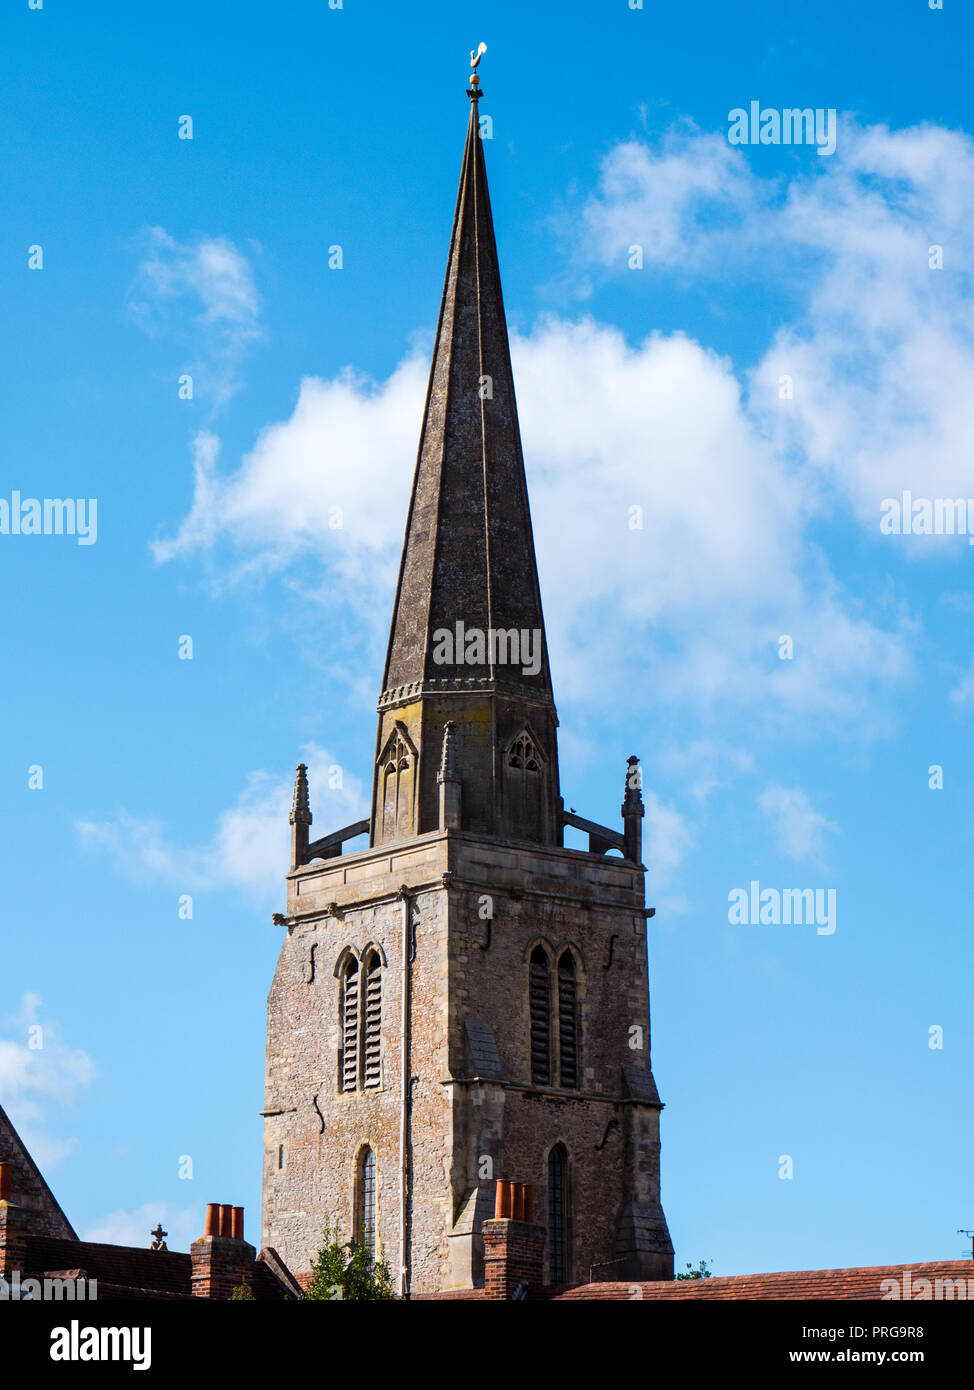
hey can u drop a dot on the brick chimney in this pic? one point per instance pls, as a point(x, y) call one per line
point(513, 1244)
point(13, 1227)
point(221, 1258)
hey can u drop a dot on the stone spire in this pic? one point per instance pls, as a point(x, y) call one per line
point(467, 641)
point(468, 555)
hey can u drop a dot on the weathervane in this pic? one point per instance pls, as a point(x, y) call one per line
point(475, 56)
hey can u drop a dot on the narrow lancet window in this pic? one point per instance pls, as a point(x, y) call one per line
point(568, 1059)
point(365, 1215)
point(558, 1215)
point(539, 988)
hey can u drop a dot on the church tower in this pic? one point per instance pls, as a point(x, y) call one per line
point(464, 1003)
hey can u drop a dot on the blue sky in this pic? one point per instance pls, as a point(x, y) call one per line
point(657, 388)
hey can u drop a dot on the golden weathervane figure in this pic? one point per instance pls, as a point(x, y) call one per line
point(475, 56)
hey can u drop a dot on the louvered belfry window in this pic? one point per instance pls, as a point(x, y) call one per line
point(557, 1214)
point(361, 1023)
point(540, 1000)
point(373, 1020)
point(350, 1026)
point(366, 1203)
point(567, 1022)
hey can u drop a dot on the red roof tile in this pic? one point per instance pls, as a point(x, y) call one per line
point(125, 1271)
point(813, 1284)
point(798, 1284)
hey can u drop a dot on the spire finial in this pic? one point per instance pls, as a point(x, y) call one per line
point(473, 91)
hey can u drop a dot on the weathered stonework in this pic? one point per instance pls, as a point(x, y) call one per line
point(466, 1129)
point(42, 1215)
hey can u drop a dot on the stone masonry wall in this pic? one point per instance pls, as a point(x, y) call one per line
point(468, 1127)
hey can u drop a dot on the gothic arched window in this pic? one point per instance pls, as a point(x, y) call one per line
point(372, 1041)
point(365, 1201)
point(568, 1060)
point(523, 791)
point(539, 993)
point(558, 1213)
point(350, 1024)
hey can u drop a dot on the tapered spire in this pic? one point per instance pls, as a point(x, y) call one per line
point(468, 556)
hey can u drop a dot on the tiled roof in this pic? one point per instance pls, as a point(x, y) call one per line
point(797, 1284)
point(269, 1286)
point(125, 1271)
point(146, 1273)
point(451, 1294)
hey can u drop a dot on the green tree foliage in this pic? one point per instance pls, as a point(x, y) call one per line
point(347, 1272)
point(701, 1271)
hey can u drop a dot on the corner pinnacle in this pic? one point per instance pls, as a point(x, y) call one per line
point(301, 806)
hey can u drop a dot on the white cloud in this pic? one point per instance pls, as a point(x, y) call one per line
point(703, 766)
point(350, 443)
point(121, 1227)
point(730, 479)
point(879, 345)
point(799, 829)
point(884, 361)
point(250, 846)
point(666, 839)
point(216, 278)
point(693, 601)
point(40, 1075)
point(680, 203)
